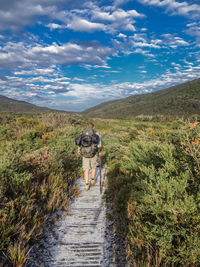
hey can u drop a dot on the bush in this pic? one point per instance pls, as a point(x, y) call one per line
point(162, 212)
point(154, 185)
point(37, 177)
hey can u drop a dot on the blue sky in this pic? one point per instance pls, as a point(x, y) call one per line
point(74, 54)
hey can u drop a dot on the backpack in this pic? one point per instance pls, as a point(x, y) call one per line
point(88, 151)
point(88, 141)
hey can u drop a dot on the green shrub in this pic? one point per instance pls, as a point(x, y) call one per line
point(155, 190)
point(37, 178)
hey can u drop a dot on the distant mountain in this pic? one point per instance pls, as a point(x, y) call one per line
point(11, 105)
point(179, 100)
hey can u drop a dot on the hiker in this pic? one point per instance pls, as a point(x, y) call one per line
point(89, 143)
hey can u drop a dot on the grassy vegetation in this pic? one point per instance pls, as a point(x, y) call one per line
point(181, 100)
point(38, 170)
point(153, 183)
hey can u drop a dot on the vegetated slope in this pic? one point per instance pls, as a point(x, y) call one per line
point(12, 105)
point(179, 100)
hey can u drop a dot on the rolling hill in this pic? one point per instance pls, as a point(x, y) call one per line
point(179, 100)
point(12, 105)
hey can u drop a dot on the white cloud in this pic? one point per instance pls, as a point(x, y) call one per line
point(172, 41)
point(193, 29)
point(16, 55)
point(120, 2)
point(20, 55)
point(44, 71)
point(143, 52)
point(121, 35)
point(85, 16)
point(176, 8)
point(142, 44)
point(23, 84)
point(116, 19)
point(17, 14)
point(78, 79)
point(12, 15)
point(137, 43)
point(54, 26)
point(79, 24)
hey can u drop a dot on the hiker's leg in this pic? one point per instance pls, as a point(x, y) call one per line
point(93, 181)
point(86, 167)
point(93, 166)
point(93, 173)
point(86, 176)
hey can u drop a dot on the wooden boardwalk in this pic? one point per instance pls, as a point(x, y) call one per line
point(80, 239)
point(81, 235)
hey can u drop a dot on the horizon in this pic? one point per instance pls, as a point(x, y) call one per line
point(73, 55)
point(101, 102)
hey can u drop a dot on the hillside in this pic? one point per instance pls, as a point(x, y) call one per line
point(179, 100)
point(12, 105)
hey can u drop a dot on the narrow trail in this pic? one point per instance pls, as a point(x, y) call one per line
point(83, 238)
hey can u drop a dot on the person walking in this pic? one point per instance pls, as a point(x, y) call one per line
point(89, 143)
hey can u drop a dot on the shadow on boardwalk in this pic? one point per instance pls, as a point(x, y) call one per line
point(115, 246)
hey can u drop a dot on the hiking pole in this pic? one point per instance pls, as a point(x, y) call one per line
point(100, 174)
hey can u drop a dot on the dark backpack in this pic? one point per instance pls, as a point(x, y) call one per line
point(88, 141)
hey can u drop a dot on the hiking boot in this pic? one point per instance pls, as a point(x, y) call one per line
point(93, 181)
point(87, 186)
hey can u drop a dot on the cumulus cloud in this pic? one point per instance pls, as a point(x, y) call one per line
point(85, 16)
point(84, 25)
point(19, 55)
point(146, 45)
point(12, 17)
point(120, 2)
point(116, 18)
point(193, 29)
point(121, 35)
point(44, 71)
point(55, 26)
point(140, 40)
point(168, 41)
point(23, 85)
point(110, 19)
point(173, 41)
point(176, 8)
point(117, 14)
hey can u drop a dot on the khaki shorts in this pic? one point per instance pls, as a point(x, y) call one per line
point(89, 163)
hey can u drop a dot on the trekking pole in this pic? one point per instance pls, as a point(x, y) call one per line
point(100, 174)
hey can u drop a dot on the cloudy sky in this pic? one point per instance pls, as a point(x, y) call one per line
point(74, 54)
